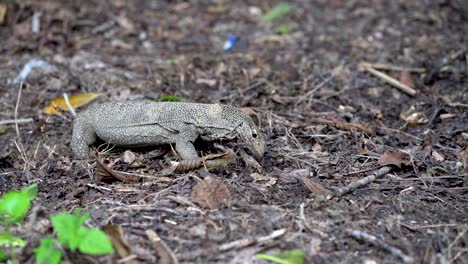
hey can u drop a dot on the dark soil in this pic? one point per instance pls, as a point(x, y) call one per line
point(305, 86)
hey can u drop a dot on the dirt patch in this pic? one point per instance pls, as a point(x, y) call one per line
point(327, 122)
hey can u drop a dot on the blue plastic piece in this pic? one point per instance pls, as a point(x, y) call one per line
point(230, 42)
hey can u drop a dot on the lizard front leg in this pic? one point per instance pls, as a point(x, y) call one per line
point(184, 143)
point(83, 136)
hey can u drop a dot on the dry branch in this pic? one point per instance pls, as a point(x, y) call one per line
point(390, 80)
point(166, 256)
point(373, 240)
point(364, 181)
point(344, 125)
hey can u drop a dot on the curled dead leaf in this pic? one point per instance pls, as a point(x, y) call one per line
point(103, 172)
point(211, 193)
point(394, 158)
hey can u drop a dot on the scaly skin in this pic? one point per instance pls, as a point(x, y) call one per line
point(139, 123)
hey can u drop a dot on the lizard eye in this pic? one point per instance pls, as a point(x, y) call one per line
point(254, 135)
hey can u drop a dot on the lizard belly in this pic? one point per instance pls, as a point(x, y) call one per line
point(136, 136)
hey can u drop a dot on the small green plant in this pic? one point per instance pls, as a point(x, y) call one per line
point(276, 12)
point(293, 256)
point(14, 206)
point(73, 235)
point(170, 98)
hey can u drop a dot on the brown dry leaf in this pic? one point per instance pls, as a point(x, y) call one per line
point(254, 72)
point(464, 158)
point(406, 79)
point(3, 11)
point(248, 111)
point(120, 244)
point(414, 118)
point(211, 193)
point(277, 99)
point(313, 186)
point(259, 177)
point(394, 158)
point(103, 172)
point(75, 101)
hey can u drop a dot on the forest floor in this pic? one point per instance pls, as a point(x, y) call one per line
point(317, 79)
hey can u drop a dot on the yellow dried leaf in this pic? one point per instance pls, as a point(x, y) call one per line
point(75, 101)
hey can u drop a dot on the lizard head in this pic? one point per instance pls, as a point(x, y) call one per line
point(252, 137)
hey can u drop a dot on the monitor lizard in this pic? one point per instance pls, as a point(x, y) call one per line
point(141, 123)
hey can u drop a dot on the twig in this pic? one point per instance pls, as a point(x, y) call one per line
point(435, 226)
point(388, 79)
point(18, 143)
point(389, 67)
point(67, 102)
point(166, 256)
point(375, 241)
point(36, 23)
point(16, 121)
point(344, 125)
point(333, 74)
point(245, 242)
point(364, 181)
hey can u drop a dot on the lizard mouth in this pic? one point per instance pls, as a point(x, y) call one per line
point(257, 153)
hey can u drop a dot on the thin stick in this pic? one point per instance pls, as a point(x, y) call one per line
point(389, 67)
point(166, 255)
point(67, 102)
point(18, 144)
point(16, 121)
point(375, 241)
point(364, 181)
point(390, 80)
point(245, 242)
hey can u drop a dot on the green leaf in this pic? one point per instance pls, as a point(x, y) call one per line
point(278, 11)
point(283, 29)
point(31, 190)
point(11, 240)
point(47, 253)
point(95, 242)
point(67, 227)
point(13, 207)
point(294, 256)
point(170, 98)
point(2, 256)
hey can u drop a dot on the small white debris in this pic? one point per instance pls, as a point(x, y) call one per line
point(31, 65)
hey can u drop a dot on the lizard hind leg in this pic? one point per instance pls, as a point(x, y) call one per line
point(83, 136)
point(186, 150)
